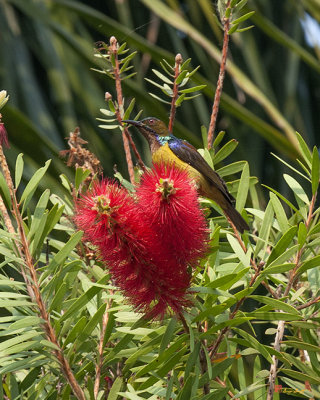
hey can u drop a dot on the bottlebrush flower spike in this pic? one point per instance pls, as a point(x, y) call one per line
point(140, 265)
point(170, 203)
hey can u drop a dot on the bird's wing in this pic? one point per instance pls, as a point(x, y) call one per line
point(189, 154)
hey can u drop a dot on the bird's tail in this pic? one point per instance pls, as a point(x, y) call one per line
point(236, 218)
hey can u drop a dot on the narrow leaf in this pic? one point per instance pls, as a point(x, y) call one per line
point(19, 169)
point(296, 188)
point(33, 183)
point(280, 213)
point(243, 188)
point(304, 150)
point(315, 170)
point(225, 151)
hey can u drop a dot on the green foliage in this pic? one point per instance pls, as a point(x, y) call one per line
point(158, 358)
point(242, 292)
point(56, 90)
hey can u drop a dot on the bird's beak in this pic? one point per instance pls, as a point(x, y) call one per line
point(144, 129)
point(138, 124)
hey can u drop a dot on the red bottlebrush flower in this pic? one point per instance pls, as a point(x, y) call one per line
point(3, 135)
point(170, 204)
point(140, 265)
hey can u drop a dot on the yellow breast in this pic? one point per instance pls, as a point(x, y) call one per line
point(165, 154)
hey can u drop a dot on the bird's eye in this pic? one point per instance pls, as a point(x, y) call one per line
point(151, 121)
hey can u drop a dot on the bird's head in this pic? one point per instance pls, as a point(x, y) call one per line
point(150, 127)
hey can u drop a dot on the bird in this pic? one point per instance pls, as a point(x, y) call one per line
point(167, 148)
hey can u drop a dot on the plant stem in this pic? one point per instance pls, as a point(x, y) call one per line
point(116, 70)
point(281, 324)
point(217, 96)
point(175, 91)
point(32, 282)
point(216, 345)
point(100, 349)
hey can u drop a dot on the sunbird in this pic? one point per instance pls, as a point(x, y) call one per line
point(167, 148)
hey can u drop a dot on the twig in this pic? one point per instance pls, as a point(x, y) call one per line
point(116, 70)
point(134, 149)
point(184, 322)
point(217, 96)
point(281, 324)
point(108, 96)
point(100, 349)
point(310, 303)
point(175, 91)
point(32, 284)
point(222, 383)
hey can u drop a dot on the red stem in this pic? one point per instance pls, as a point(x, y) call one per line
point(217, 96)
point(116, 70)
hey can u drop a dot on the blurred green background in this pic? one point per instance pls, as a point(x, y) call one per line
point(272, 85)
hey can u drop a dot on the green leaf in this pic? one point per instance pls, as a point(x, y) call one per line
point(58, 298)
point(5, 192)
point(75, 331)
point(302, 234)
point(276, 304)
point(192, 359)
point(19, 169)
point(280, 213)
point(181, 76)
point(312, 263)
point(159, 98)
point(251, 388)
point(218, 139)
point(247, 28)
point(315, 170)
point(233, 29)
point(180, 100)
point(296, 188)
point(186, 391)
point(291, 167)
point(109, 126)
point(285, 256)
point(180, 343)
point(304, 150)
point(243, 188)
point(33, 183)
point(231, 169)
point(167, 336)
point(225, 151)
point(59, 258)
point(81, 176)
point(299, 344)
point(162, 77)
point(38, 214)
point(274, 316)
point(162, 371)
point(30, 362)
point(115, 389)
point(129, 109)
point(26, 322)
point(254, 343)
point(82, 301)
point(238, 250)
point(243, 18)
point(284, 199)
point(264, 233)
point(315, 379)
point(193, 89)
point(282, 245)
